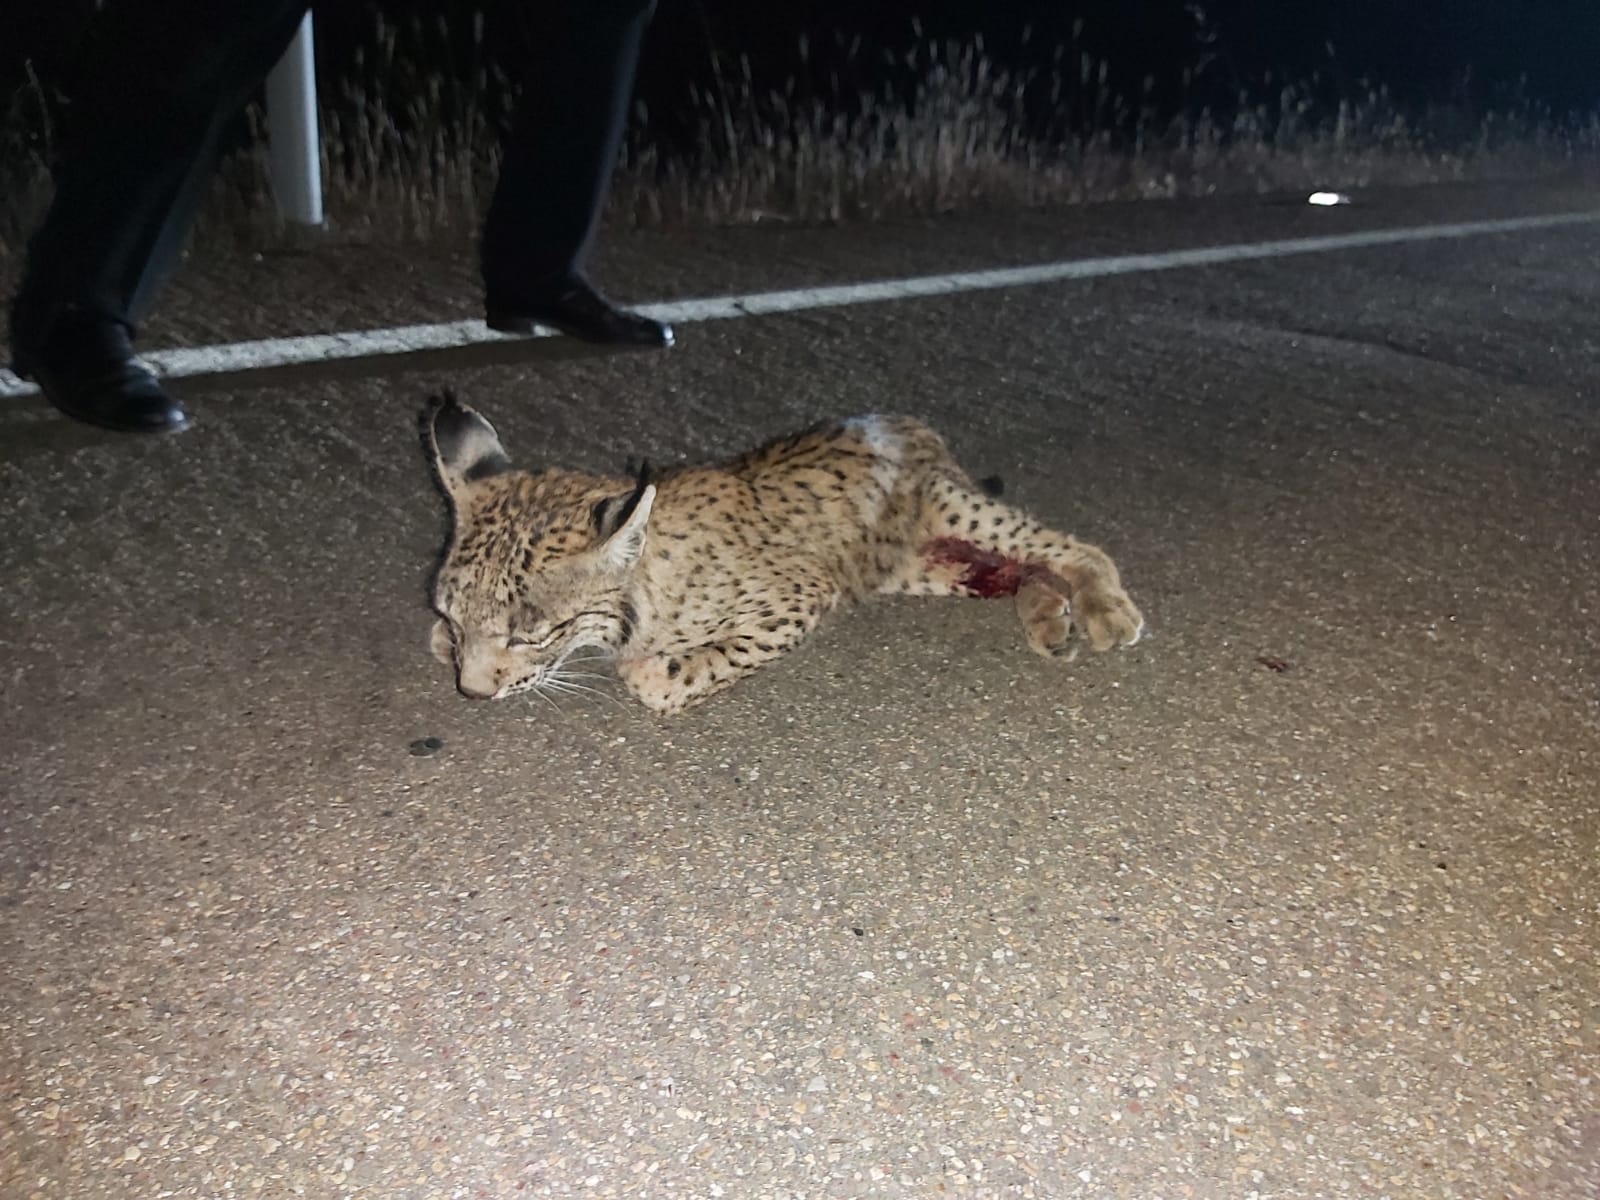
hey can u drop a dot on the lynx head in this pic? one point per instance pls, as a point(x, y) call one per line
point(538, 564)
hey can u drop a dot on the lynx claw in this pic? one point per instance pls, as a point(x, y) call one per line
point(1108, 618)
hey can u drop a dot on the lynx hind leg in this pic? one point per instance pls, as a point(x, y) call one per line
point(1105, 614)
point(973, 545)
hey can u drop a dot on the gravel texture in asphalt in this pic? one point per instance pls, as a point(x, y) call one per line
point(1297, 898)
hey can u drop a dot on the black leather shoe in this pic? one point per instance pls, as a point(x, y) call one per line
point(88, 371)
point(574, 307)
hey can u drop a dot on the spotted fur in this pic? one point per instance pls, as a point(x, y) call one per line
point(689, 581)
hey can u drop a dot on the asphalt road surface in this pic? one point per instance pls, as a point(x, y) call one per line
point(1297, 898)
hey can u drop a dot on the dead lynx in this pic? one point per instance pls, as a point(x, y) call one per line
point(693, 579)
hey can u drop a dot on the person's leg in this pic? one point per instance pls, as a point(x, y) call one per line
point(159, 80)
point(558, 161)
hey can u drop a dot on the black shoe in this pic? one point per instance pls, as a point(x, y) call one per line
point(88, 371)
point(572, 306)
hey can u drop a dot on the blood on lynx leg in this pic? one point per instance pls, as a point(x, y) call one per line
point(989, 574)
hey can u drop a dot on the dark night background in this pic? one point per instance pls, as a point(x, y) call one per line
point(1472, 54)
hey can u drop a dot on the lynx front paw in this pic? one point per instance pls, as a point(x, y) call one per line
point(441, 644)
point(651, 684)
point(1102, 614)
point(670, 683)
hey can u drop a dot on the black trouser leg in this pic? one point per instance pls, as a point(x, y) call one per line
point(564, 142)
point(159, 81)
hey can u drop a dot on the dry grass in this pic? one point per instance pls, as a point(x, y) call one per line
point(953, 130)
point(947, 128)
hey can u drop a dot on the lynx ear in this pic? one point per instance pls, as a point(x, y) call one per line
point(463, 446)
point(623, 548)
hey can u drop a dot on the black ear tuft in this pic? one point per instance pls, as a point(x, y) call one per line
point(437, 403)
point(612, 513)
point(641, 481)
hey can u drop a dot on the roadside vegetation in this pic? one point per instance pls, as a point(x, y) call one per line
point(410, 152)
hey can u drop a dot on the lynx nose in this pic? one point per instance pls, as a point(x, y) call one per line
point(478, 674)
point(474, 690)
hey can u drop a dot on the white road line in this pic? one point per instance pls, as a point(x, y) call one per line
point(242, 357)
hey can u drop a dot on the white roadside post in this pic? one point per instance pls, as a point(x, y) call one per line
point(293, 143)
